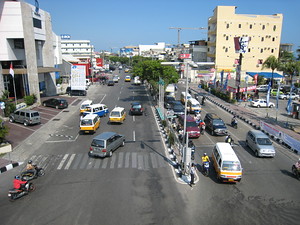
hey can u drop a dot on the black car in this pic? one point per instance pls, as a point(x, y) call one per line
point(215, 124)
point(177, 108)
point(168, 100)
point(58, 103)
point(136, 108)
point(110, 83)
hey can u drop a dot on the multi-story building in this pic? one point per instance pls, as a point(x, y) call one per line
point(28, 43)
point(264, 32)
point(81, 49)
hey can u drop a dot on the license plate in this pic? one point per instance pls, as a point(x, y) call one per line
point(230, 179)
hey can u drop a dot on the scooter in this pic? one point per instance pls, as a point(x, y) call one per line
point(192, 146)
point(296, 172)
point(28, 175)
point(202, 129)
point(234, 124)
point(206, 168)
point(14, 194)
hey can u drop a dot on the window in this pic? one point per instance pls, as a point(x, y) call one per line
point(208, 39)
point(249, 50)
point(274, 28)
point(227, 25)
point(262, 38)
point(37, 23)
point(240, 25)
point(226, 49)
point(261, 50)
point(273, 39)
point(250, 26)
point(259, 61)
point(272, 50)
point(208, 27)
point(263, 27)
point(19, 43)
point(227, 38)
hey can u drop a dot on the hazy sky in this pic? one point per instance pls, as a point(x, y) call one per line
point(112, 24)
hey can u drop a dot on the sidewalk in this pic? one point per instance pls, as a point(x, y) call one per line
point(251, 117)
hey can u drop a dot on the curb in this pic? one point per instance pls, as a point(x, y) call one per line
point(10, 166)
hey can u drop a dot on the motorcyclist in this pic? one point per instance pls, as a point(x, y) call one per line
point(18, 183)
point(297, 164)
point(202, 126)
point(203, 100)
point(205, 159)
point(228, 139)
point(30, 168)
point(234, 121)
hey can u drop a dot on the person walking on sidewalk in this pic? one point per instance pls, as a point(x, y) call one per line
point(192, 173)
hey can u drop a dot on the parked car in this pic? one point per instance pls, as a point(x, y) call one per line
point(105, 144)
point(177, 107)
point(25, 116)
point(294, 96)
point(58, 103)
point(136, 108)
point(110, 83)
point(261, 103)
point(215, 124)
point(260, 143)
point(168, 101)
point(262, 88)
point(273, 92)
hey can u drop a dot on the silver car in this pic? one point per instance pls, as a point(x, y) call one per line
point(25, 116)
point(260, 143)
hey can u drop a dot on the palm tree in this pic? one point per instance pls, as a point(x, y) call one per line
point(271, 63)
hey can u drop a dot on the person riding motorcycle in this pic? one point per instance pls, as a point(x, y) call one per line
point(297, 165)
point(18, 183)
point(30, 168)
point(205, 159)
point(203, 100)
point(202, 126)
point(228, 139)
point(234, 121)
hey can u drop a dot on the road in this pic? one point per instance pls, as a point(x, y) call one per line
point(137, 185)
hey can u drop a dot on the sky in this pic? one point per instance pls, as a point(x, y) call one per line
point(113, 24)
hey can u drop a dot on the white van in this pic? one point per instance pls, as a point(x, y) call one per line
point(90, 123)
point(182, 97)
point(226, 163)
point(84, 105)
point(193, 106)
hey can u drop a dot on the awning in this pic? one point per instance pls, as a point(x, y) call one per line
point(265, 74)
point(24, 70)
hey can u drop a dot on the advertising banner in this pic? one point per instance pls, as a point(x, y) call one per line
point(78, 77)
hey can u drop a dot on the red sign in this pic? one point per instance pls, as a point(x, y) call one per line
point(185, 56)
point(99, 62)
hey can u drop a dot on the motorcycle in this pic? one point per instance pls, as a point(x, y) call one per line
point(296, 172)
point(230, 141)
point(206, 168)
point(234, 124)
point(28, 175)
point(202, 129)
point(192, 146)
point(14, 194)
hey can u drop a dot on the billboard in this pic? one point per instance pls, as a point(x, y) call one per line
point(78, 77)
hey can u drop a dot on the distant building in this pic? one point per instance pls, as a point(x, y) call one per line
point(81, 49)
point(264, 32)
point(28, 42)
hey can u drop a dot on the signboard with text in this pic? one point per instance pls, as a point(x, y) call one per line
point(78, 77)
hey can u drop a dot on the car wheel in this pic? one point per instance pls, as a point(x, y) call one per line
point(284, 98)
point(256, 153)
point(56, 107)
point(258, 106)
point(11, 120)
point(271, 106)
point(123, 143)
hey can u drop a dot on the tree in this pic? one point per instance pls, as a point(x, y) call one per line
point(3, 131)
point(271, 63)
point(291, 68)
point(298, 52)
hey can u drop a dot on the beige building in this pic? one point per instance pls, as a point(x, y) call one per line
point(264, 32)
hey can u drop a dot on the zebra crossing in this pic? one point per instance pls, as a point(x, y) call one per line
point(119, 160)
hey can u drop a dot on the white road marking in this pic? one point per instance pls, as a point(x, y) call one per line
point(70, 161)
point(62, 161)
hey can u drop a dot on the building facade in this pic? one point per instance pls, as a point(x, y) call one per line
point(264, 32)
point(29, 44)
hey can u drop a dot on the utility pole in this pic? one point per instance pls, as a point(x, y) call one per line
point(185, 28)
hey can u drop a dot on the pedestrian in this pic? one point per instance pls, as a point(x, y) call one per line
point(192, 172)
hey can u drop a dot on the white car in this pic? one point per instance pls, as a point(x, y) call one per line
point(261, 103)
point(294, 96)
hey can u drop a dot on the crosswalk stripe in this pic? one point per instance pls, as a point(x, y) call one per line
point(120, 160)
point(84, 161)
point(134, 160)
point(70, 161)
point(42, 163)
point(113, 160)
point(161, 161)
point(62, 161)
point(97, 164)
point(90, 163)
point(146, 160)
point(140, 162)
point(153, 160)
point(77, 161)
point(127, 157)
point(104, 165)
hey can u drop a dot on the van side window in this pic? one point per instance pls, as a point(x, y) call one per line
point(28, 115)
point(22, 114)
point(220, 162)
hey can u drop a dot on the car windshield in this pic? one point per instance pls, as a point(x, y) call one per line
point(85, 122)
point(178, 107)
point(191, 124)
point(98, 143)
point(218, 122)
point(231, 166)
point(115, 114)
point(264, 141)
point(136, 106)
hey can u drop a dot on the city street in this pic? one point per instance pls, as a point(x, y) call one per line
point(138, 185)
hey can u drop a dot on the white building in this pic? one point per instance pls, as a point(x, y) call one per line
point(77, 48)
point(27, 41)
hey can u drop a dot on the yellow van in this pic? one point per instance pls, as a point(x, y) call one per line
point(193, 106)
point(182, 97)
point(84, 105)
point(89, 123)
point(226, 163)
point(117, 115)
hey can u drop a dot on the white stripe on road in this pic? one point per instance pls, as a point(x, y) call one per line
point(70, 161)
point(133, 135)
point(62, 161)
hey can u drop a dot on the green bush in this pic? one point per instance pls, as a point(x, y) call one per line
point(30, 100)
point(3, 131)
point(9, 108)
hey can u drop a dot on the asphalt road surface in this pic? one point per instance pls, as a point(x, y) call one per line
point(137, 185)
